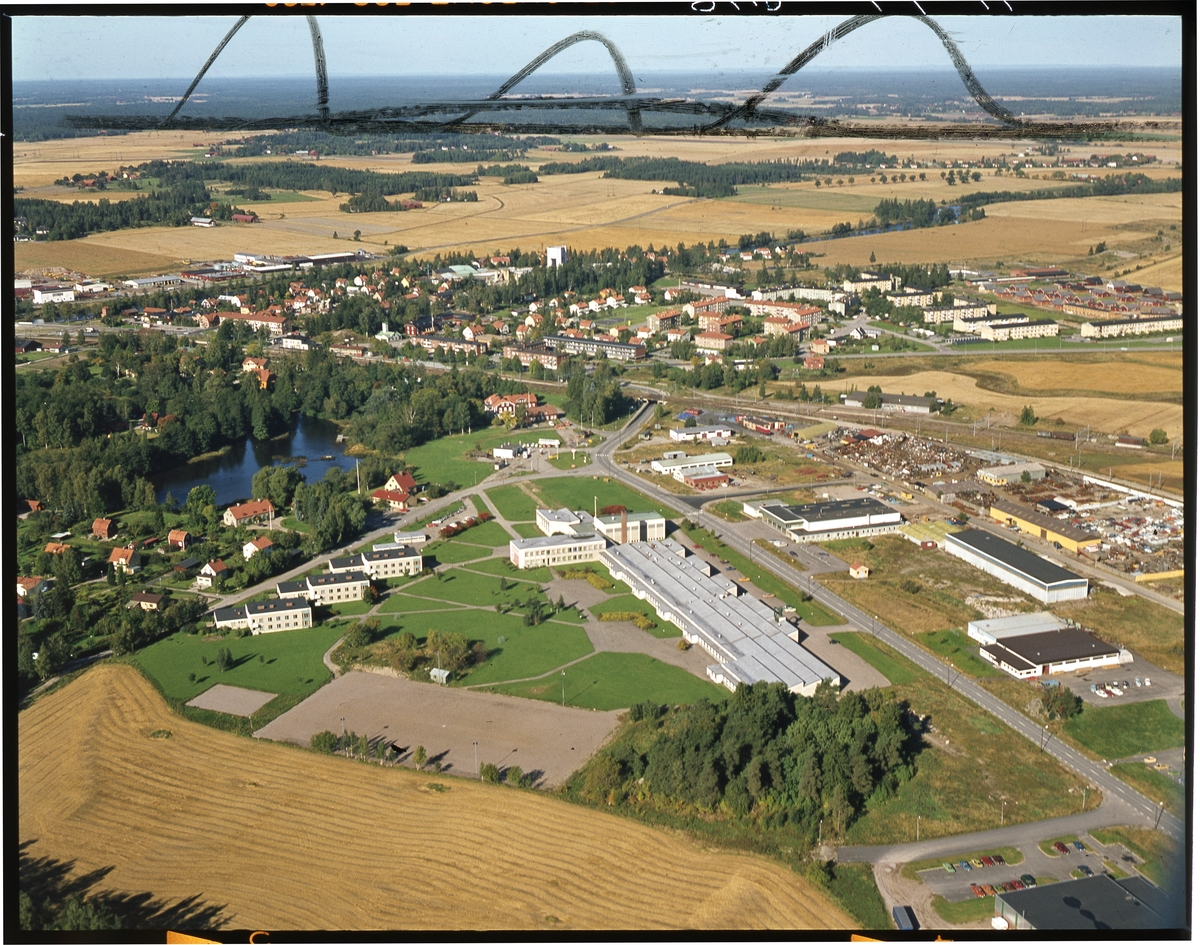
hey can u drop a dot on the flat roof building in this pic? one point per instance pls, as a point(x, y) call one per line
point(687, 464)
point(999, 628)
point(551, 550)
point(624, 527)
point(1044, 526)
point(1010, 473)
point(824, 521)
point(1041, 579)
point(1091, 904)
point(738, 630)
point(690, 434)
point(1064, 650)
point(903, 403)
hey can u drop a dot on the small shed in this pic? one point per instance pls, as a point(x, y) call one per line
point(439, 676)
point(859, 571)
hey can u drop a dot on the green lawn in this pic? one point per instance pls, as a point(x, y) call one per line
point(469, 587)
point(452, 552)
point(630, 604)
point(1155, 785)
point(398, 603)
point(618, 680)
point(516, 651)
point(854, 889)
point(291, 662)
point(1164, 861)
point(895, 667)
point(787, 594)
point(351, 608)
point(575, 492)
point(296, 525)
point(730, 510)
point(527, 529)
point(445, 460)
point(960, 650)
point(513, 503)
point(491, 534)
point(969, 910)
point(565, 461)
point(509, 570)
point(1122, 730)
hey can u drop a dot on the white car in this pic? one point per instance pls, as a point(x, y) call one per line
point(1147, 680)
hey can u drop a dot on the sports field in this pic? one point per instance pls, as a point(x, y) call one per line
point(195, 821)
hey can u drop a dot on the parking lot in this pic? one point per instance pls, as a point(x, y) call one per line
point(1163, 685)
point(956, 886)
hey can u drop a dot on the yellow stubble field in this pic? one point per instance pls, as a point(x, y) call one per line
point(1109, 415)
point(1150, 372)
point(273, 837)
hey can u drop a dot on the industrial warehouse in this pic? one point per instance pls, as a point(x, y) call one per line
point(1031, 645)
point(1024, 570)
point(1095, 902)
point(1044, 526)
point(739, 631)
point(827, 521)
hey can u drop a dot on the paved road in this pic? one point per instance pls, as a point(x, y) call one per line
point(1095, 772)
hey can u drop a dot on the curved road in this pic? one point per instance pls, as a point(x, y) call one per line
point(1095, 772)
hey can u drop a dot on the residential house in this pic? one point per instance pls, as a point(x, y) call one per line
point(146, 600)
point(125, 559)
point(859, 571)
point(56, 548)
point(713, 341)
point(251, 548)
point(250, 365)
point(257, 510)
point(393, 498)
point(27, 586)
point(403, 482)
point(507, 404)
point(104, 529)
point(212, 573)
point(814, 362)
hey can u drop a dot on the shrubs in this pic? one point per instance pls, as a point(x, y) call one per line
point(597, 581)
point(490, 773)
point(641, 621)
point(451, 530)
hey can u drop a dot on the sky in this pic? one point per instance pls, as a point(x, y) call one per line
point(83, 47)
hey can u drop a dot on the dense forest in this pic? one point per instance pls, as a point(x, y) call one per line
point(466, 156)
point(698, 179)
point(322, 143)
point(67, 458)
point(765, 760)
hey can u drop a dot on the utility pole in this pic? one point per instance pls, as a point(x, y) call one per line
point(475, 745)
point(564, 688)
point(1002, 805)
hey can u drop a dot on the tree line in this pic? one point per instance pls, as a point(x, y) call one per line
point(766, 758)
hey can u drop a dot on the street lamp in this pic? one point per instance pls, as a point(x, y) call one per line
point(475, 745)
point(564, 688)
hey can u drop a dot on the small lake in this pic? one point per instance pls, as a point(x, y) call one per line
point(230, 474)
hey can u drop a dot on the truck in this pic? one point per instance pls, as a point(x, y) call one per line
point(904, 918)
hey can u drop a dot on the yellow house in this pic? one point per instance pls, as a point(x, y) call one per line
point(1044, 526)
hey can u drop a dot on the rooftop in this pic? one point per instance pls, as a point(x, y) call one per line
point(1048, 522)
point(1005, 552)
point(815, 512)
point(1094, 903)
point(331, 580)
point(276, 607)
point(1054, 646)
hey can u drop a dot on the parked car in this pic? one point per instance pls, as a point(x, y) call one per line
point(1017, 884)
point(989, 890)
point(948, 867)
point(1137, 680)
point(1118, 691)
point(998, 860)
point(1028, 880)
point(1147, 680)
point(1124, 683)
point(1086, 871)
point(1102, 693)
point(988, 861)
point(1093, 687)
point(964, 866)
point(977, 890)
point(1061, 847)
point(977, 863)
point(1078, 846)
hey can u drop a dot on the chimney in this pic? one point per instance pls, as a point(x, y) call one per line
point(624, 525)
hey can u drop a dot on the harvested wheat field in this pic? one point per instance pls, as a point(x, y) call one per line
point(1167, 274)
point(255, 829)
point(1111, 375)
point(1104, 415)
point(94, 257)
point(37, 163)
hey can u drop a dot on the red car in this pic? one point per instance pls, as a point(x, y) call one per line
point(998, 860)
point(1061, 847)
point(989, 890)
point(1017, 884)
point(977, 890)
point(987, 861)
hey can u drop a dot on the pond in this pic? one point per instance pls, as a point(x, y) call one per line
point(229, 474)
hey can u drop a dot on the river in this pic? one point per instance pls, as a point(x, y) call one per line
point(230, 473)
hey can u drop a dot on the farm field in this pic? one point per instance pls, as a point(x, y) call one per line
point(1109, 415)
point(1149, 372)
point(608, 681)
point(92, 792)
point(93, 257)
point(1167, 274)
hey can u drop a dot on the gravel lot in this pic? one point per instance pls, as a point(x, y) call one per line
point(545, 740)
point(232, 699)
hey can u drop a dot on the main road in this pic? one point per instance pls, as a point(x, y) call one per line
point(1096, 773)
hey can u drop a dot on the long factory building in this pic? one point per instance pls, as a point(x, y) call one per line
point(738, 630)
point(1037, 577)
point(827, 521)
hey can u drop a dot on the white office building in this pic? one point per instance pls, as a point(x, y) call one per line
point(552, 550)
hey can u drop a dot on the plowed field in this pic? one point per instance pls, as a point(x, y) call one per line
point(274, 837)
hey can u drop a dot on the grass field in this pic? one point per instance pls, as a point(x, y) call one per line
point(1164, 862)
point(854, 889)
point(765, 580)
point(402, 604)
point(467, 587)
point(627, 603)
point(1122, 730)
point(490, 534)
point(575, 492)
point(202, 800)
point(896, 668)
point(510, 571)
point(444, 460)
point(911, 590)
point(618, 680)
point(1158, 787)
point(1151, 630)
point(728, 509)
point(524, 652)
point(527, 529)
point(450, 551)
point(959, 649)
point(968, 910)
point(513, 503)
